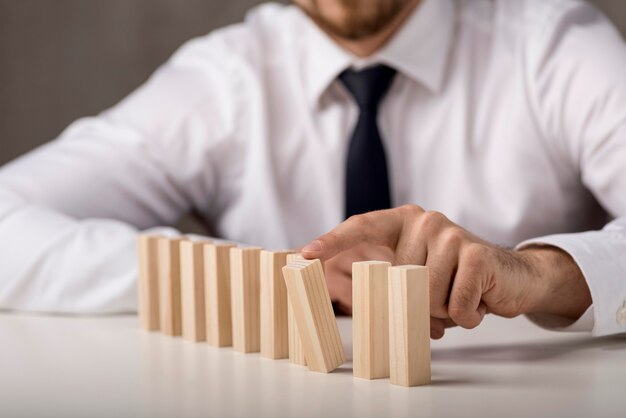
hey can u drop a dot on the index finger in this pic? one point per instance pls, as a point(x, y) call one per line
point(381, 227)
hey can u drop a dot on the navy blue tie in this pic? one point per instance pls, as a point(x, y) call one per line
point(367, 179)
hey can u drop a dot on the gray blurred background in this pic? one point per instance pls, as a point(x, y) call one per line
point(63, 59)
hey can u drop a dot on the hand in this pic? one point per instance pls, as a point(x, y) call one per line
point(468, 276)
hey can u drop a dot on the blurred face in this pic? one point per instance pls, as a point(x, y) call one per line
point(353, 19)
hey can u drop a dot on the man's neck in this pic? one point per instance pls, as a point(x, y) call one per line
point(365, 47)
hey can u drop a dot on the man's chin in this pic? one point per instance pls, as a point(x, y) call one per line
point(358, 24)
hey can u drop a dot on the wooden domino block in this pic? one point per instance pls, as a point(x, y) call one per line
point(370, 319)
point(148, 282)
point(409, 326)
point(192, 289)
point(169, 285)
point(296, 352)
point(274, 340)
point(314, 315)
point(217, 294)
point(294, 343)
point(245, 298)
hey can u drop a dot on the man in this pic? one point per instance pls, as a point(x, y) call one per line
point(509, 117)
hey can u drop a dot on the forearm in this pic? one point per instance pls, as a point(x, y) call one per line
point(558, 286)
point(54, 263)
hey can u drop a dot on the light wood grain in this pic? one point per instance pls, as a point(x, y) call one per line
point(313, 313)
point(245, 298)
point(192, 290)
point(409, 326)
point(296, 351)
point(370, 319)
point(169, 286)
point(274, 333)
point(148, 282)
point(217, 294)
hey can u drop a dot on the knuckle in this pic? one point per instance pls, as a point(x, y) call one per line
point(411, 210)
point(359, 221)
point(452, 237)
point(432, 220)
point(461, 308)
point(458, 314)
point(463, 317)
point(475, 257)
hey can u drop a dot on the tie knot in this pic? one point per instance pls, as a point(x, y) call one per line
point(368, 86)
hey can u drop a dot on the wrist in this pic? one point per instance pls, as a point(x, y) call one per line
point(557, 286)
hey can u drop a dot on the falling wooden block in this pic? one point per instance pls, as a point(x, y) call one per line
point(296, 352)
point(192, 289)
point(274, 340)
point(245, 298)
point(314, 315)
point(294, 343)
point(169, 285)
point(148, 282)
point(370, 319)
point(217, 294)
point(409, 326)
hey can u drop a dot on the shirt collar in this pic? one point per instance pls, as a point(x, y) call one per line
point(419, 50)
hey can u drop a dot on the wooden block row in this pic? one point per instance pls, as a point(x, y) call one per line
point(391, 322)
point(313, 314)
point(184, 288)
point(205, 291)
point(278, 303)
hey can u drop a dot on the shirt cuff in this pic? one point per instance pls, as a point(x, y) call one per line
point(598, 255)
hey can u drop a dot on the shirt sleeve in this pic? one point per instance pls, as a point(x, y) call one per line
point(70, 210)
point(576, 64)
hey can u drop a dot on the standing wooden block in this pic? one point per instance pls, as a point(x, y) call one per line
point(217, 294)
point(274, 341)
point(245, 299)
point(192, 288)
point(409, 326)
point(148, 282)
point(370, 319)
point(314, 315)
point(296, 352)
point(169, 285)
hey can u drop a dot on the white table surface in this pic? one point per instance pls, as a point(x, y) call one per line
point(105, 366)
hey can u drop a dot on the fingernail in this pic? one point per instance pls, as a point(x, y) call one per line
point(313, 247)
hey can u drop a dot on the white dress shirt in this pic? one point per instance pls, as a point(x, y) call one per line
point(507, 116)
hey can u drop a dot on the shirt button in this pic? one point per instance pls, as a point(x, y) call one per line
point(621, 315)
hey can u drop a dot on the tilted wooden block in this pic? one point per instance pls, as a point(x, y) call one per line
point(169, 285)
point(314, 315)
point(217, 294)
point(370, 319)
point(274, 341)
point(148, 282)
point(245, 299)
point(192, 288)
point(409, 326)
point(296, 352)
